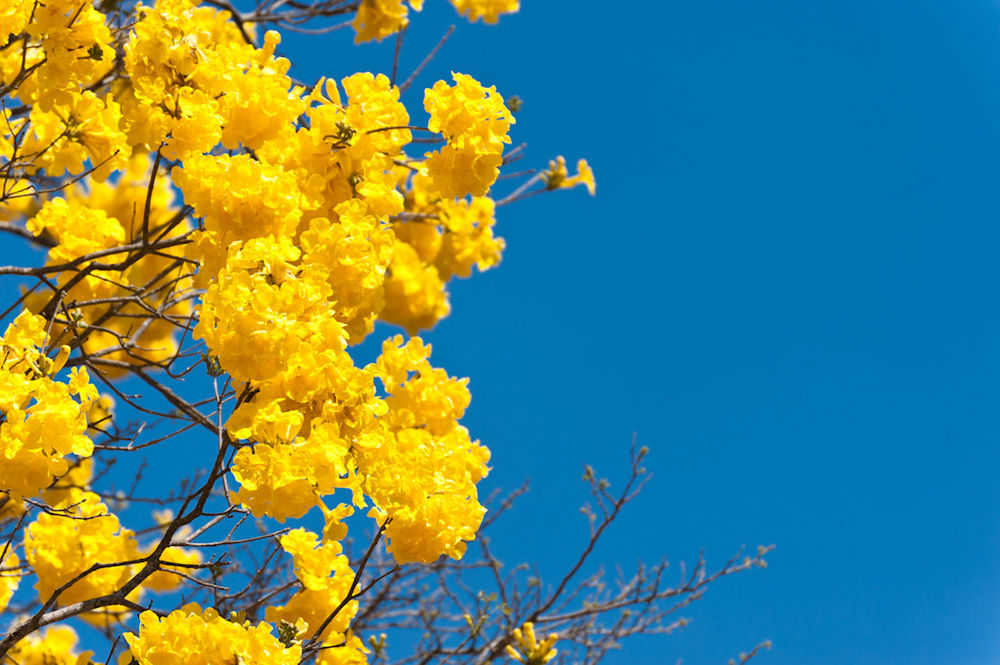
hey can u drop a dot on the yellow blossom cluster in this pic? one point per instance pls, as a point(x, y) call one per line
point(44, 419)
point(423, 478)
point(326, 189)
point(192, 81)
point(311, 224)
point(99, 311)
point(529, 650)
point(326, 577)
point(54, 646)
point(79, 533)
point(60, 32)
point(558, 177)
point(295, 248)
point(10, 576)
point(195, 82)
point(477, 124)
point(324, 606)
point(377, 19)
point(66, 50)
point(488, 10)
point(442, 239)
point(63, 139)
point(193, 636)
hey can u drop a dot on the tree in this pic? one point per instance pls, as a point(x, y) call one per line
point(219, 237)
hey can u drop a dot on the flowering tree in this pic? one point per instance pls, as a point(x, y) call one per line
point(204, 216)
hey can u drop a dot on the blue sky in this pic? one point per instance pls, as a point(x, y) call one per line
point(786, 287)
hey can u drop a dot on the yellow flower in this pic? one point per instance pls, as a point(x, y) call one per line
point(476, 124)
point(469, 238)
point(422, 470)
point(557, 177)
point(82, 223)
point(51, 647)
point(415, 297)
point(42, 422)
point(488, 10)
point(529, 650)
point(326, 578)
point(60, 546)
point(9, 574)
point(80, 385)
point(192, 636)
point(377, 19)
point(99, 414)
point(62, 31)
point(83, 128)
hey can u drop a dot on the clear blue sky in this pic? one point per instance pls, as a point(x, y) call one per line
point(787, 286)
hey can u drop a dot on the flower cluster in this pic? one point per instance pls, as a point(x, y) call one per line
point(44, 420)
point(529, 650)
point(422, 474)
point(313, 218)
point(196, 82)
point(299, 258)
point(322, 606)
point(441, 239)
point(193, 636)
point(66, 50)
point(477, 124)
point(558, 177)
point(55, 646)
point(79, 533)
point(63, 139)
point(59, 32)
point(103, 296)
point(488, 10)
point(9, 575)
point(377, 19)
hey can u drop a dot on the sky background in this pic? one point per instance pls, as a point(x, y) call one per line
point(786, 287)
